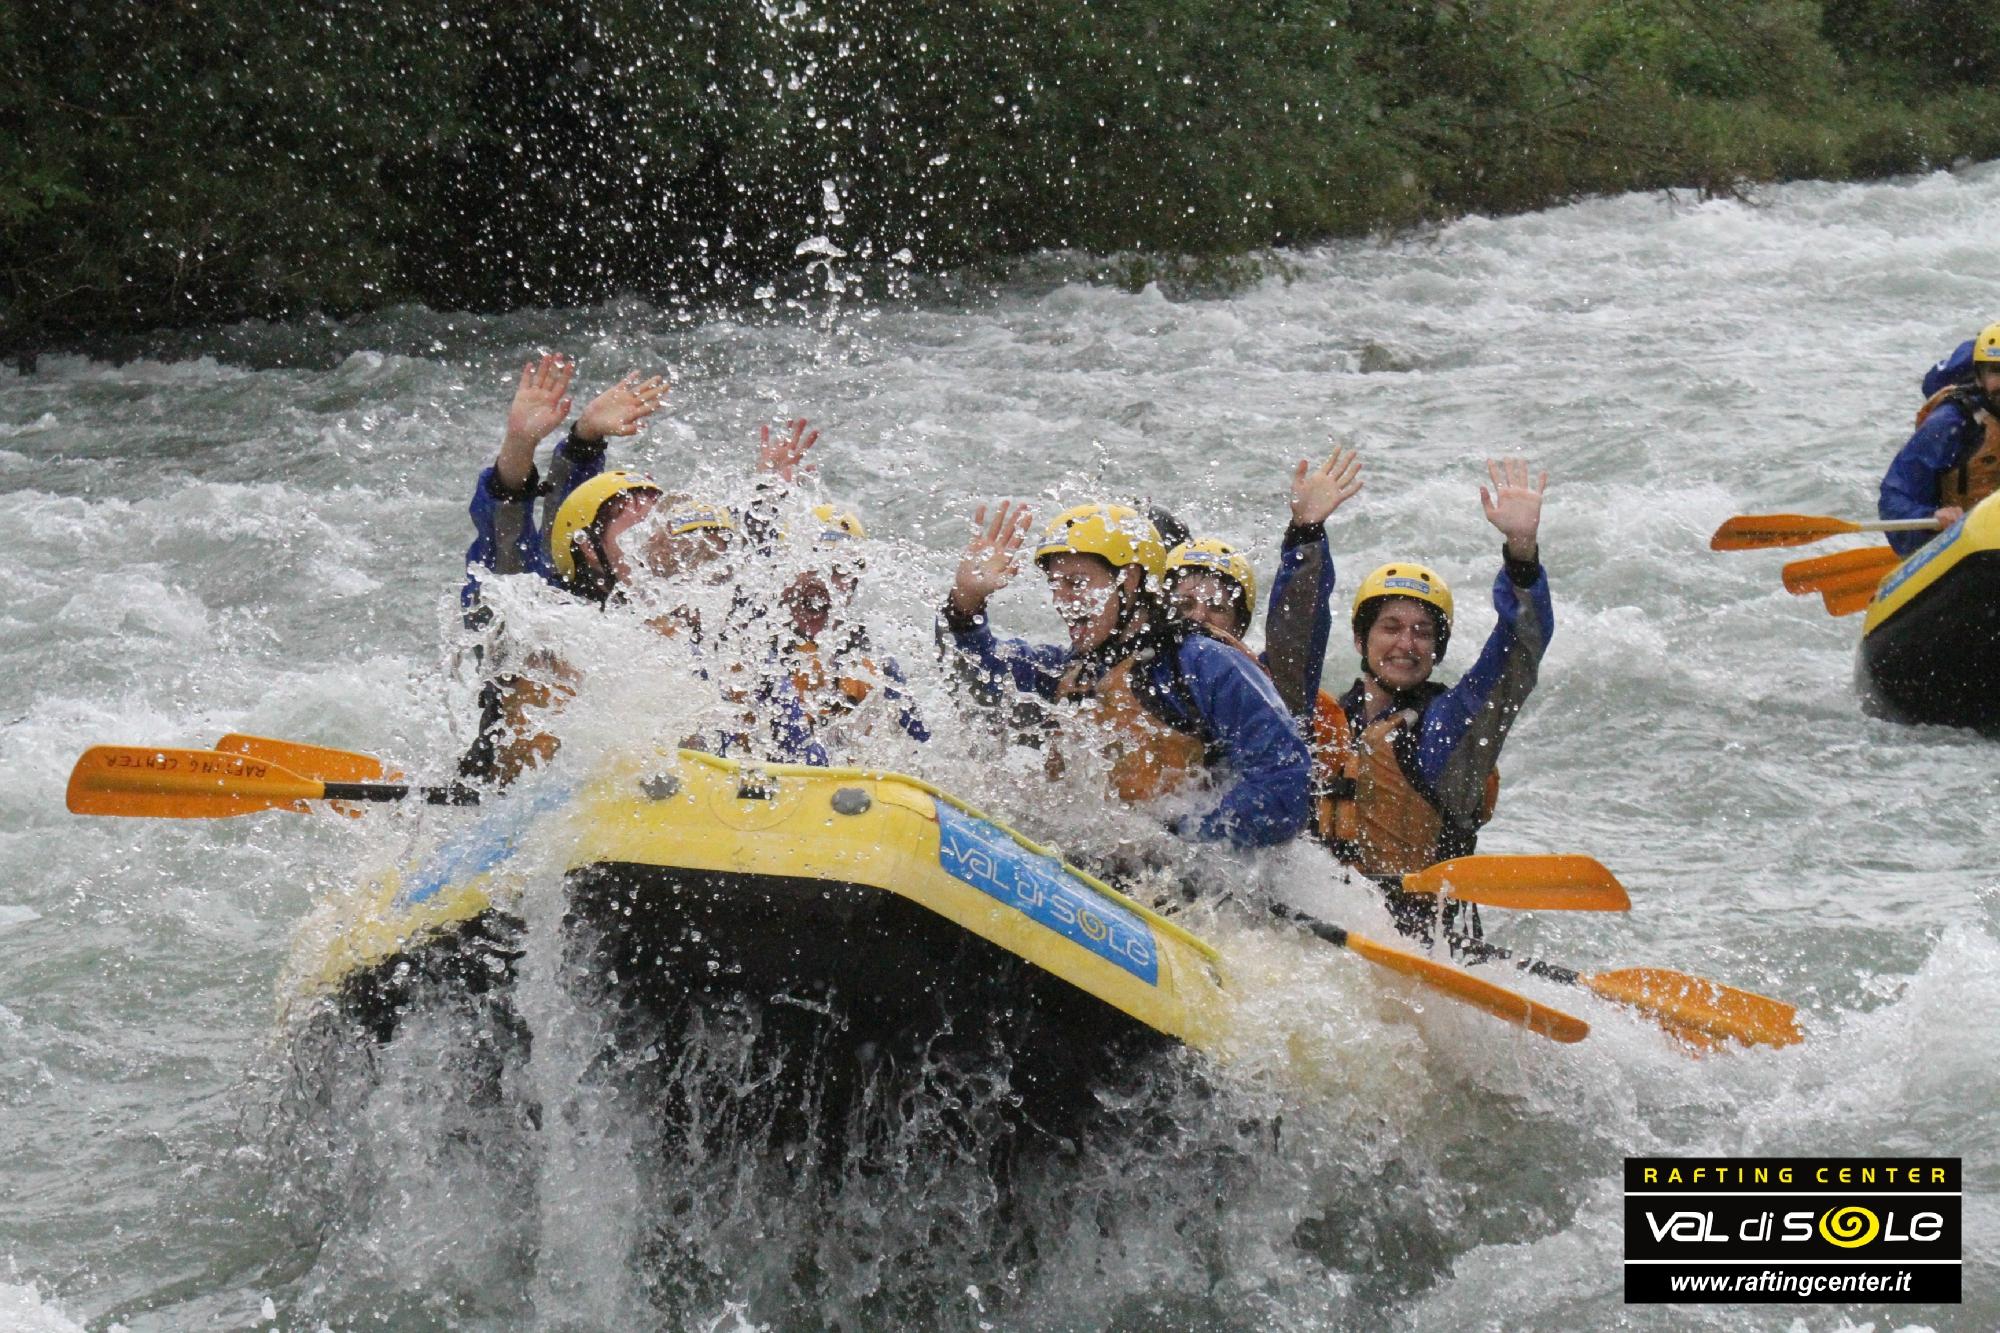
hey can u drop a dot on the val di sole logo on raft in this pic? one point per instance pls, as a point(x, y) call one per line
point(983, 856)
point(1764, 1230)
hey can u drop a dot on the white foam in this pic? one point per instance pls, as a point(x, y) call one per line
point(22, 1310)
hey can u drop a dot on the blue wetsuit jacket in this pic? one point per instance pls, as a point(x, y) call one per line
point(508, 538)
point(1910, 487)
point(1951, 370)
point(1220, 696)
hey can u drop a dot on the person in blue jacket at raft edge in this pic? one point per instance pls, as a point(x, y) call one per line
point(1177, 706)
point(1952, 462)
point(588, 512)
point(508, 539)
point(1404, 768)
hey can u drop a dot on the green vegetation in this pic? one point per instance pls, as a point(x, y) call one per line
point(170, 161)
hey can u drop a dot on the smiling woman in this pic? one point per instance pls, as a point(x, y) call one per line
point(1406, 769)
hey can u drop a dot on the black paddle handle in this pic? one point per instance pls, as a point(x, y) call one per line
point(1484, 952)
point(456, 794)
point(1326, 930)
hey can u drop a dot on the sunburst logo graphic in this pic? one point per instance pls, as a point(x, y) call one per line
point(1850, 1227)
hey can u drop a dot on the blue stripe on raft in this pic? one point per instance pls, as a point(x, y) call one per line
point(1930, 551)
point(989, 860)
point(485, 845)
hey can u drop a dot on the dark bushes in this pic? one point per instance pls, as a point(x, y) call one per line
point(193, 160)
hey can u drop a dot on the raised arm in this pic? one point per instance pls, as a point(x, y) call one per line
point(1464, 728)
point(541, 403)
point(1515, 506)
point(991, 560)
point(620, 410)
point(505, 539)
point(782, 455)
point(1298, 622)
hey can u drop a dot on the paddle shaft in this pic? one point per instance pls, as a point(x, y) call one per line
point(1326, 930)
point(1498, 1001)
point(456, 794)
point(1898, 525)
point(1485, 952)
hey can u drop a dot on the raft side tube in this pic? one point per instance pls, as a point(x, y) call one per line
point(826, 852)
point(1930, 645)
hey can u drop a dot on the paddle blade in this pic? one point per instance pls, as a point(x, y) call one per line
point(1703, 1006)
point(159, 783)
point(1694, 1040)
point(1529, 883)
point(1496, 1000)
point(1758, 532)
point(312, 761)
point(1847, 601)
point(1840, 569)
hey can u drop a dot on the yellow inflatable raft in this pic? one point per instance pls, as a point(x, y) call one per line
point(882, 909)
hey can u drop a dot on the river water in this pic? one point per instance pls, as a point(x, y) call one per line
point(261, 530)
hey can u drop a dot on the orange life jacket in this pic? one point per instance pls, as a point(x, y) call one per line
point(824, 695)
point(521, 743)
point(1978, 475)
point(1149, 758)
point(1367, 809)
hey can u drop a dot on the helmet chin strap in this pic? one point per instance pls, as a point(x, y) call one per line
point(1127, 608)
point(602, 581)
point(1122, 639)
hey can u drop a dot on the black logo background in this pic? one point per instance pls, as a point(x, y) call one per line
point(1727, 1198)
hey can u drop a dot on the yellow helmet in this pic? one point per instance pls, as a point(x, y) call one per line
point(1117, 534)
point(1212, 555)
point(1986, 347)
point(580, 509)
point(699, 516)
point(1403, 579)
point(838, 525)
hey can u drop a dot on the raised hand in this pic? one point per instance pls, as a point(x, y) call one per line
point(1515, 505)
point(541, 403)
point(1317, 492)
point(780, 454)
point(622, 408)
point(992, 558)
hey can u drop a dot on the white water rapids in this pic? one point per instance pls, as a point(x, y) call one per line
point(264, 534)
